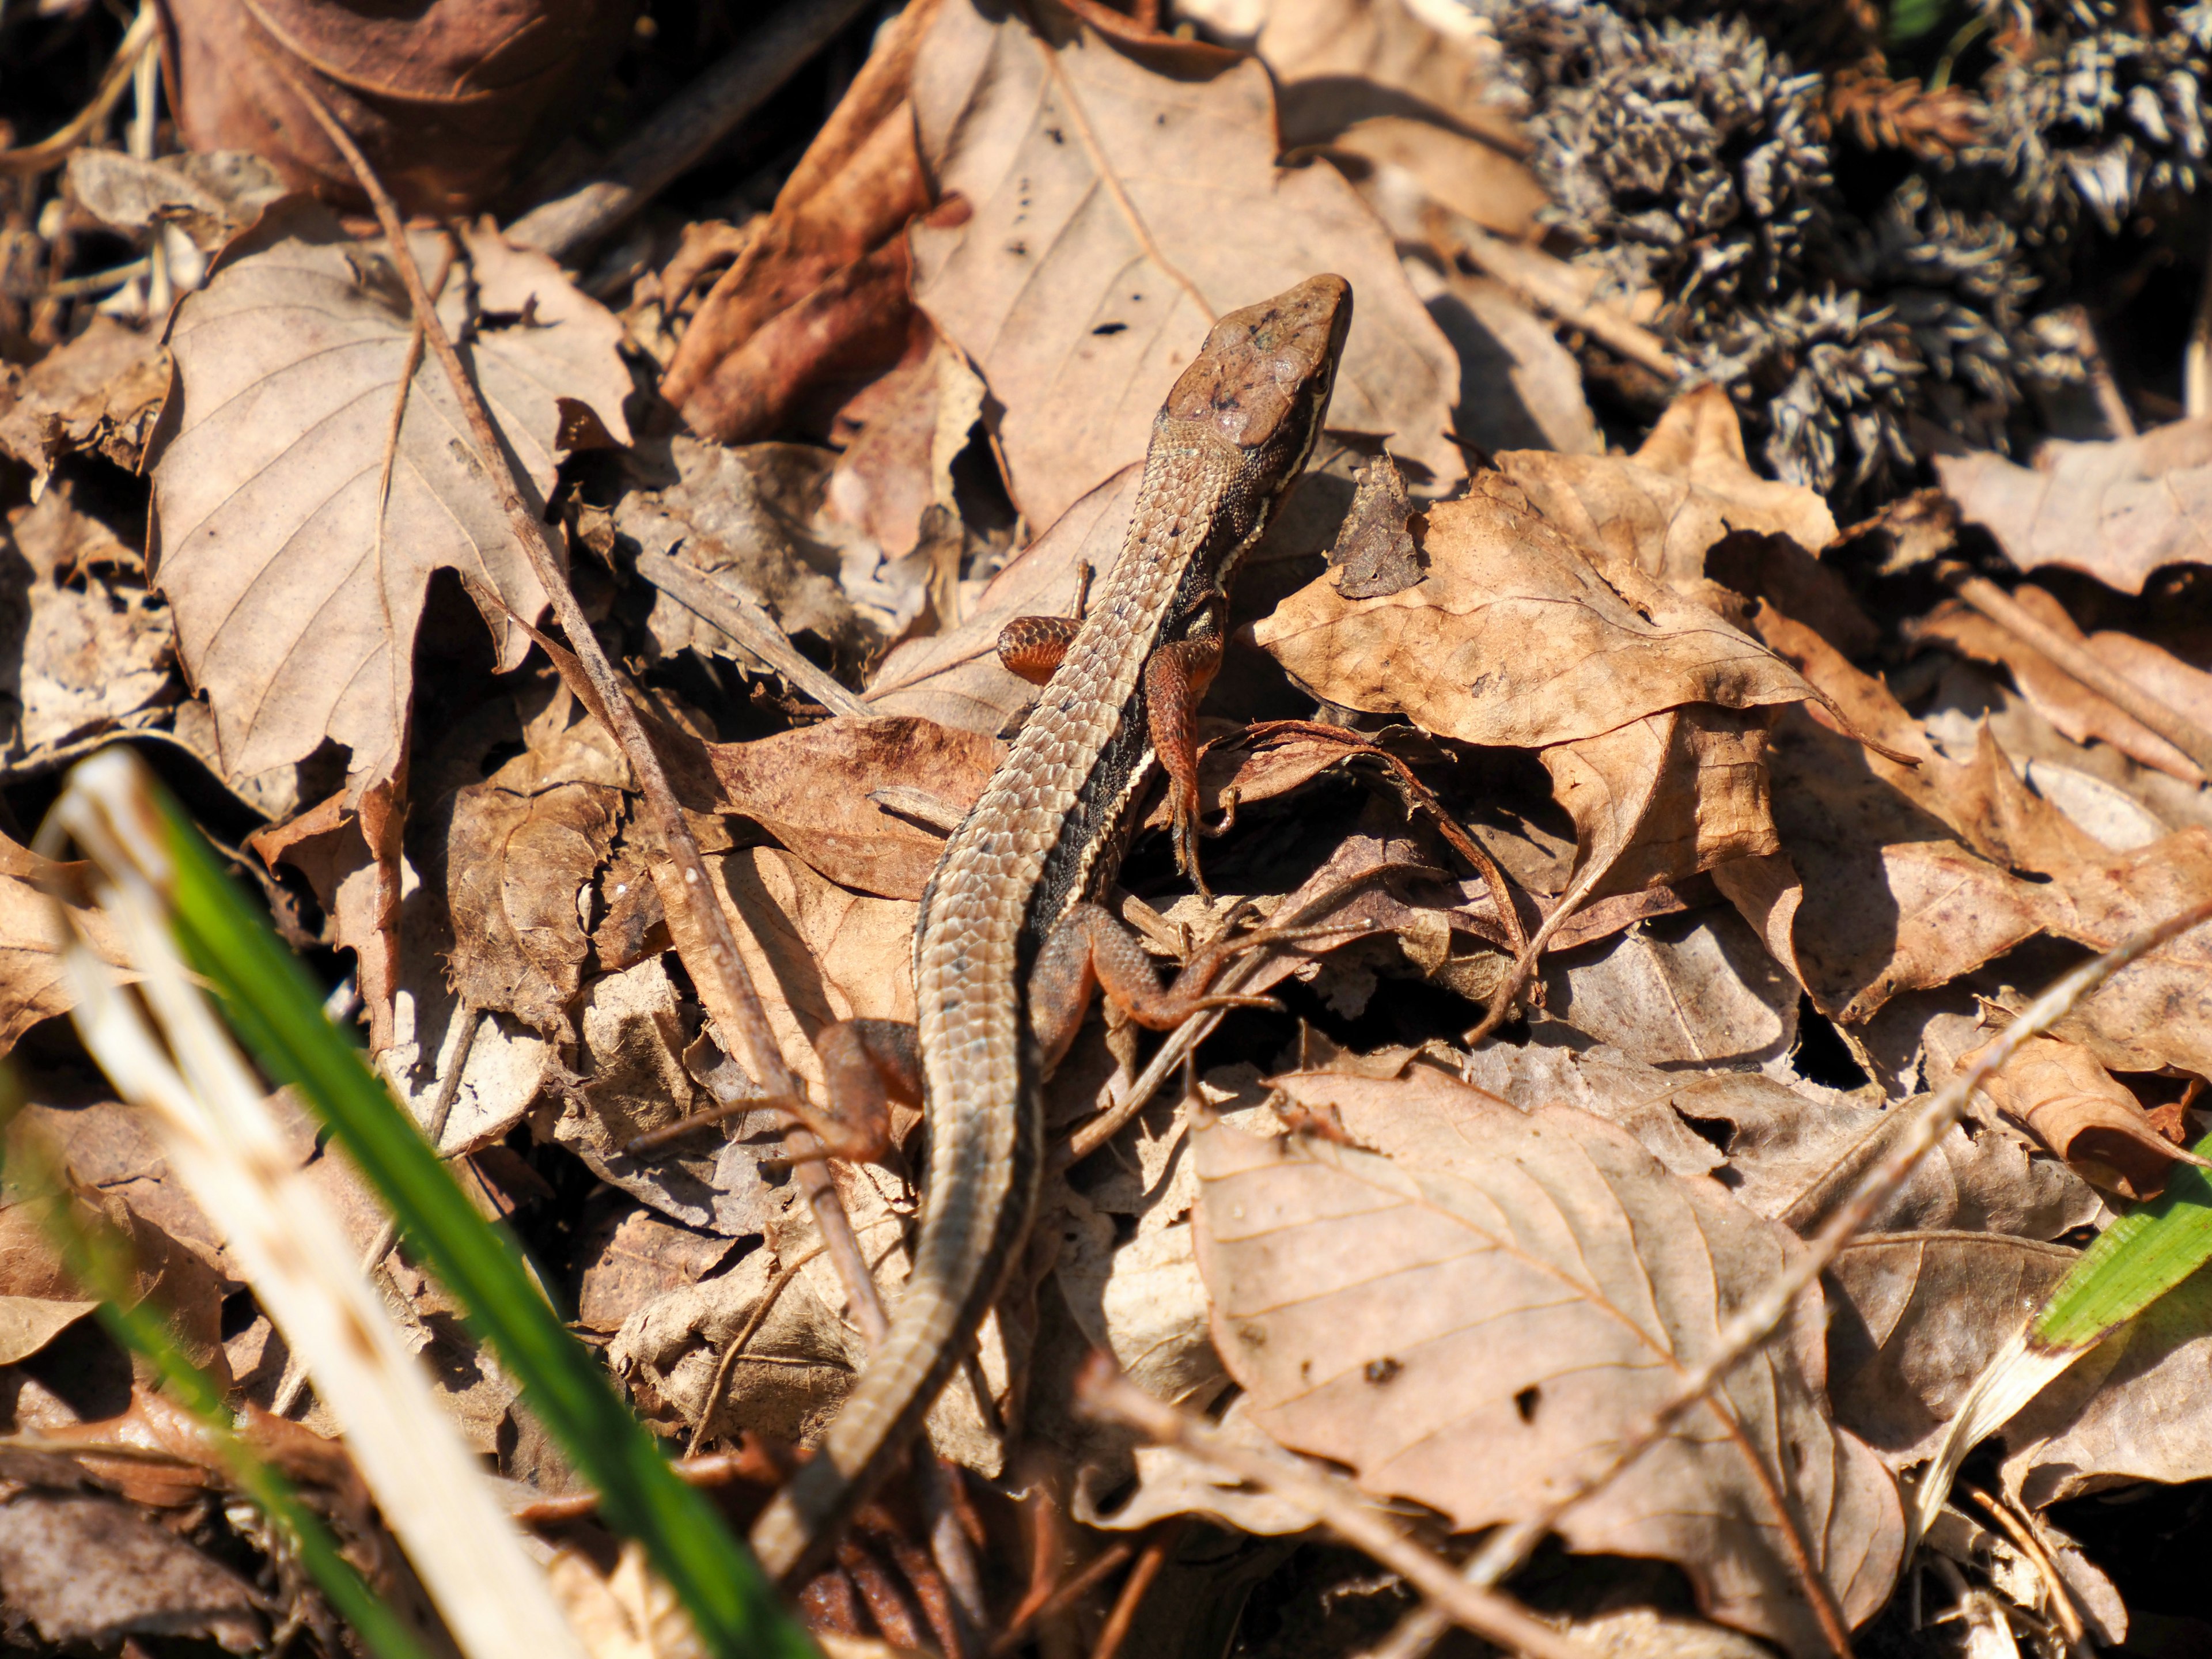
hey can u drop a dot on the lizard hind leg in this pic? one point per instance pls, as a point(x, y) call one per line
point(1089, 950)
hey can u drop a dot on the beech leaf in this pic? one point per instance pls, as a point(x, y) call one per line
point(1466, 1313)
point(297, 582)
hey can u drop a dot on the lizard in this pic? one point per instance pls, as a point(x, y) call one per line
point(1011, 942)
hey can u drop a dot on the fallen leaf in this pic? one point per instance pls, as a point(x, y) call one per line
point(82, 1568)
point(635, 1258)
point(27, 1323)
point(1465, 1311)
point(1701, 991)
point(2072, 706)
point(32, 984)
point(1516, 640)
point(1661, 510)
point(1120, 199)
point(450, 102)
point(626, 1613)
point(1374, 556)
point(515, 865)
point(297, 581)
point(906, 430)
point(92, 649)
point(1372, 79)
point(749, 518)
point(2073, 1106)
point(1519, 388)
point(210, 197)
point(99, 392)
point(812, 789)
point(2117, 510)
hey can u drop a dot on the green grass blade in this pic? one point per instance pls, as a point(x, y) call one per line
point(99, 1263)
point(277, 1012)
point(2136, 1259)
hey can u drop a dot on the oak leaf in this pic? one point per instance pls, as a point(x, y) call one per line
point(1119, 200)
point(296, 576)
point(1465, 1312)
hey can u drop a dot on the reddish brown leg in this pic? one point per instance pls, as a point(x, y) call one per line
point(1032, 647)
point(865, 1065)
point(1090, 950)
point(1175, 679)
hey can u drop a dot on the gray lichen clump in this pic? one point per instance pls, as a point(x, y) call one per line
point(1692, 151)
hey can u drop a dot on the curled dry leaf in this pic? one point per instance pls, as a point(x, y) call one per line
point(2117, 511)
point(1463, 1300)
point(210, 198)
point(449, 100)
point(1661, 510)
point(297, 574)
point(813, 789)
point(2075, 1106)
point(515, 865)
point(2067, 704)
point(100, 391)
point(1374, 555)
point(1118, 199)
point(1516, 639)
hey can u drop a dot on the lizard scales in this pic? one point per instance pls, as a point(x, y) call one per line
point(1047, 833)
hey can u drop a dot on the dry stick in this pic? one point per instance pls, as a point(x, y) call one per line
point(685, 130)
point(1336, 1504)
point(687, 888)
point(1543, 282)
point(1116, 1628)
point(1059, 1596)
point(2197, 362)
point(2069, 1619)
point(1763, 1315)
point(1524, 964)
point(2007, 613)
point(747, 621)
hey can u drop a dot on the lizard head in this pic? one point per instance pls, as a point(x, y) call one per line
point(1263, 380)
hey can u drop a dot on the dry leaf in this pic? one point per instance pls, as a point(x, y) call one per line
point(27, 1323)
point(92, 649)
point(1119, 199)
point(100, 392)
point(32, 986)
point(82, 1568)
point(1374, 555)
point(810, 788)
point(2073, 1106)
point(638, 1257)
point(1661, 510)
point(2067, 704)
point(747, 518)
point(1701, 991)
point(1474, 1306)
point(297, 582)
point(451, 102)
point(1516, 640)
point(515, 865)
point(1519, 388)
point(2117, 510)
point(210, 196)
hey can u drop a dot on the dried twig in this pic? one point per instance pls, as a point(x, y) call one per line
point(1548, 284)
point(1759, 1318)
point(2007, 613)
point(697, 921)
point(1336, 1504)
point(687, 128)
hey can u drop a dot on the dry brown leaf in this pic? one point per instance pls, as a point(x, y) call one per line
point(27, 1323)
point(628, 1614)
point(91, 650)
point(1519, 388)
point(1369, 79)
point(1374, 555)
point(637, 1257)
point(2067, 704)
point(1516, 640)
point(903, 432)
point(2117, 510)
point(1919, 1315)
point(1699, 991)
point(1466, 1312)
point(1685, 488)
point(450, 100)
point(747, 518)
point(2074, 1106)
point(1118, 200)
point(100, 392)
point(32, 986)
point(515, 865)
point(811, 789)
point(210, 197)
point(82, 1568)
point(296, 583)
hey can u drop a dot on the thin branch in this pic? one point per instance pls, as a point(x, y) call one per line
point(704, 939)
point(1334, 1502)
point(747, 621)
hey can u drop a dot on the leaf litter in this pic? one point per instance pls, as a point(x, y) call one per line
point(1631, 849)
